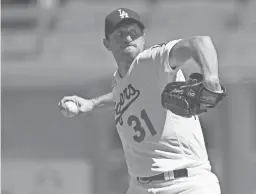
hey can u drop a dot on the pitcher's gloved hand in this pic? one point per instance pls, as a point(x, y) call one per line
point(190, 98)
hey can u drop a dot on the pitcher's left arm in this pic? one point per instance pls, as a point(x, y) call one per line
point(202, 50)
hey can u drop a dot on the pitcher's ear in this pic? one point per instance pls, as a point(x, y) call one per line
point(144, 36)
point(106, 43)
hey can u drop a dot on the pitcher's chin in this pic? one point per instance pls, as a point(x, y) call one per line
point(131, 52)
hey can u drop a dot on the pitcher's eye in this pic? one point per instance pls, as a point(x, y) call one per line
point(119, 34)
point(132, 32)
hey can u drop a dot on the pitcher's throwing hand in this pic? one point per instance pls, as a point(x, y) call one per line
point(73, 105)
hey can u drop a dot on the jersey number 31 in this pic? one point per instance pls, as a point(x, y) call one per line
point(140, 131)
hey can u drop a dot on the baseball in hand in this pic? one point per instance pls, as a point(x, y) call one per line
point(70, 109)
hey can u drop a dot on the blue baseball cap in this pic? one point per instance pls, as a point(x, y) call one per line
point(121, 16)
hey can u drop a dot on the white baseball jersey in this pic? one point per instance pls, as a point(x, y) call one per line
point(154, 140)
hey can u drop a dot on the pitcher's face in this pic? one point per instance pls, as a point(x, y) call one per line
point(126, 41)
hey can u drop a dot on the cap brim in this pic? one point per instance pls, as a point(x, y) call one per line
point(128, 21)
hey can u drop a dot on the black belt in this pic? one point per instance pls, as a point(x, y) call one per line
point(165, 176)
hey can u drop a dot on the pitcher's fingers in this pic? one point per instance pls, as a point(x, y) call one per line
point(204, 106)
point(67, 98)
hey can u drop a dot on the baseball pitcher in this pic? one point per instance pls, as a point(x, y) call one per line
point(156, 109)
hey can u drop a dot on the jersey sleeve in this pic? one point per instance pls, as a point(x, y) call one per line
point(160, 54)
point(113, 84)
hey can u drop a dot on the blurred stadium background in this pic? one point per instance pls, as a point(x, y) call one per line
point(52, 48)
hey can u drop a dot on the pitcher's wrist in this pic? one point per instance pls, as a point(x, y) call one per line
point(95, 103)
point(213, 84)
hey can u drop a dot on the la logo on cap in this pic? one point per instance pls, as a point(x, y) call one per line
point(123, 14)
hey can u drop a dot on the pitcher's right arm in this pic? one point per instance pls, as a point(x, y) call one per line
point(88, 105)
point(105, 100)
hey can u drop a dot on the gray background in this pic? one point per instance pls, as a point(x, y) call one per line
point(43, 152)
